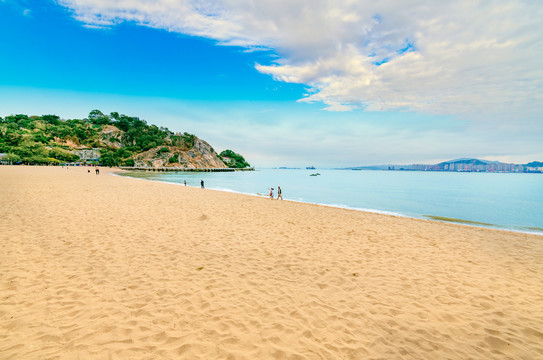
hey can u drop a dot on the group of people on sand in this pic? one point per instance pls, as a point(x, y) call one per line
point(201, 183)
point(279, 196)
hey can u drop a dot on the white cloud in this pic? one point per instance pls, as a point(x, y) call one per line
point(289, 134)
point(478, 59)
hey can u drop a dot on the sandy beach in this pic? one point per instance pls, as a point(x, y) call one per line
point(106, 267)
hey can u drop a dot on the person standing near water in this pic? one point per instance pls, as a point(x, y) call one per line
point(279, 193)
point(185, 182)
point(271, 193)
point(202, 183)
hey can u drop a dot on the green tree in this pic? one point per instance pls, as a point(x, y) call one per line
point(173, 159)
point(51, 119)
point(95, 114)
point(39, 137)
point(63, 155)
point(109, 158)
point(123, 153)
point(13, 158)
point(12, 138)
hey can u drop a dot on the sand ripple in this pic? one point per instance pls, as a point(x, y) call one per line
point(102, 267)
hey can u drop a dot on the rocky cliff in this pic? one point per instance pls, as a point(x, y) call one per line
point(200, 155)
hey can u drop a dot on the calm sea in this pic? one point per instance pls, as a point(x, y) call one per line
point(503, 200)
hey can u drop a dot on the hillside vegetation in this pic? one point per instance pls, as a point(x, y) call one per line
point(233, 159)
point(116, 140)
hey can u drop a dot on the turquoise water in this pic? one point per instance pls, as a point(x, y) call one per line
point(505, 200)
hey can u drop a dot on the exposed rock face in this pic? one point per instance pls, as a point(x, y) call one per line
point(200, 156)
point(209, 156)
point(111, 137)
point(70, 143)
point(87, 154)
point(186, 151)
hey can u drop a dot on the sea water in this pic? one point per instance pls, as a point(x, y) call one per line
point(500, 200)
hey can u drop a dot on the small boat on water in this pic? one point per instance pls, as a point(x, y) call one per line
point(316, 174)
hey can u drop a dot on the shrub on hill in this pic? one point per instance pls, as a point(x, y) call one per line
point(186, 140)
point(173, 159)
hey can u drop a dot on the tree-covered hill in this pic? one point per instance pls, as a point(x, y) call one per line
point(119, 140)
point(233, 159)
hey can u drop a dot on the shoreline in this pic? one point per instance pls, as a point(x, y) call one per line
point(433, 218)
point(107, 267)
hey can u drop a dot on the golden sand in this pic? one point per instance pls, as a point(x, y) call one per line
point(105, 267)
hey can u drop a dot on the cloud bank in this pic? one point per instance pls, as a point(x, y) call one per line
point(475, 59)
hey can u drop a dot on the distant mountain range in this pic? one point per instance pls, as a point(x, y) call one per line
point(461, 165)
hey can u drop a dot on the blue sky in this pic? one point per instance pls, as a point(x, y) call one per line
point(324, 84)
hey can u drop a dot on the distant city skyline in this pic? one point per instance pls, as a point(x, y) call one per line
point(328, 84)
point(461, 165)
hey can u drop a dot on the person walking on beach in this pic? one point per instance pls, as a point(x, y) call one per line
point(185, 182)
point(279, 193)
point(202, 184)
point(271, 193)
point(97, 171)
